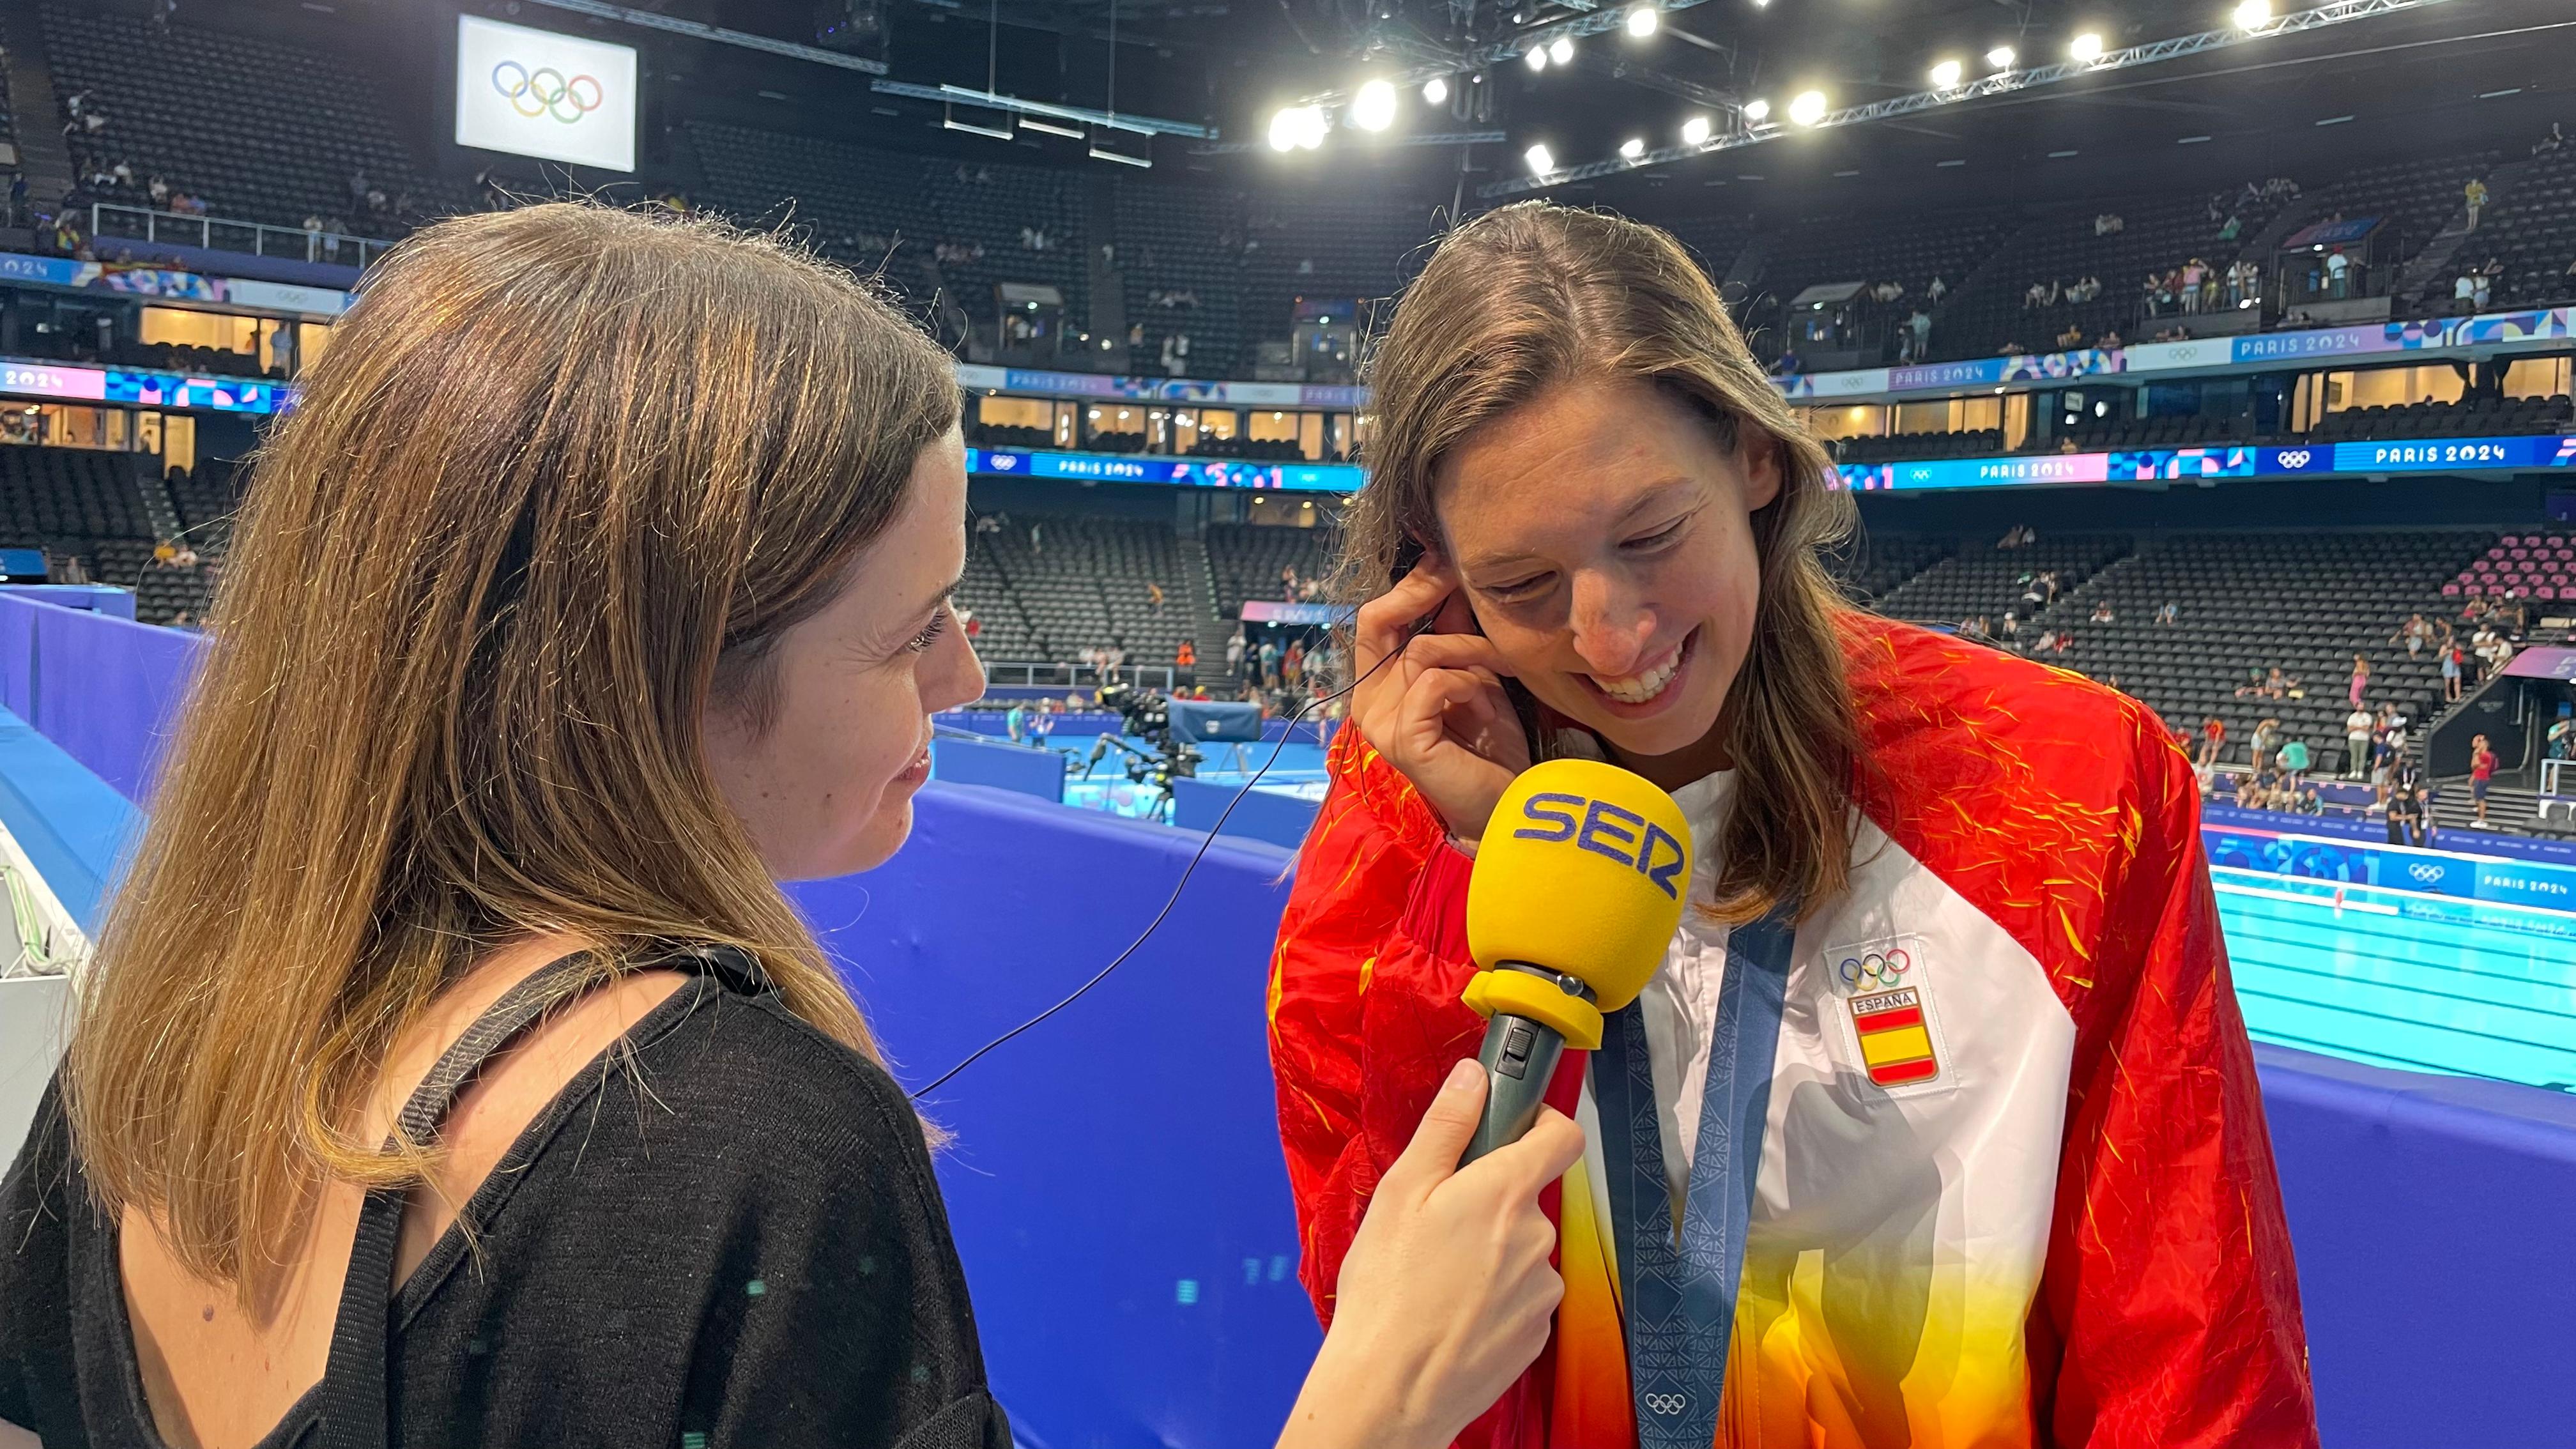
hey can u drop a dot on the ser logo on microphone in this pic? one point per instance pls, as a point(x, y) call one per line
point(1606, 829)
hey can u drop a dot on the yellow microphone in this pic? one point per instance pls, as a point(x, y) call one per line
point(1576, 893)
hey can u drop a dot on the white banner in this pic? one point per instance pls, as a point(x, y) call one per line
point(537, 93)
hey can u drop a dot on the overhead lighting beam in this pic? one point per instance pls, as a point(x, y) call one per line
point(1032, 123)
point(695, 30)
point(2337, 12)
point(1426, 61)
point(967, 95)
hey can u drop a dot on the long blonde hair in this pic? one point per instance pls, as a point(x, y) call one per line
point(1533, 295)
point(564, 476)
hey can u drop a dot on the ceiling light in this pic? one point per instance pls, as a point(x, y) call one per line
point(1283, 129)
point(1643, 20)
point(2253, 14)
point(1373, 109)
point(1757, 111)
point(1435, 90)
point(1298, 126)
point(1633, 147)
point(1562, 51)
point(1946, 75)
point(2001, 57)
point(2086, 47)
point(1541, 160)
point(1695, 131)
point(1537, 57)
point(1808, 108)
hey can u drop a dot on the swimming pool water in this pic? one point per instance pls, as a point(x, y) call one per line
point(2399, 979)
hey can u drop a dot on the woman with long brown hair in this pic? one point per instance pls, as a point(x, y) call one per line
point(452, 1070)
point(1938, 1125)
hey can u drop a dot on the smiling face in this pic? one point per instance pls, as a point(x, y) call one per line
point(826, 785)
point(1605, 541)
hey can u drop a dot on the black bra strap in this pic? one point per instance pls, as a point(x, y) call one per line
point(353, 1399)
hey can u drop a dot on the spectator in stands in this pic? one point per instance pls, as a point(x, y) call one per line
point(2451, 671)
point(2266, 743)
point(2482, 768)
point(1234, 647)
point(1015, 722)
point(2356, 738)
point(2406, 814)
point(1269, 673)
point(2213, 739)
point(2360, 679)
point(1288, 583)
point(1292, 665)
point(2338, 274)
point(1936, 289)
point(2168, 612)
point(165, 552)
point(2072, 337)
point(2294, 761)
point(1037, 536)
point(2464, 293)
point(2415, 633)
point(2012, 625)
point(1154, 596)
point(1186, 656)
point(2482, 284)
point(2551, 142)
point(2109, 340)
point(2475, 193)
point(2102, 613)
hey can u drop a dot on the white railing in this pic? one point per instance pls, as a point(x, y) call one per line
point(2549, 770)
point(110, 222)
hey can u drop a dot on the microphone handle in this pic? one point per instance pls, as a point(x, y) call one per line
point(1519, 1058)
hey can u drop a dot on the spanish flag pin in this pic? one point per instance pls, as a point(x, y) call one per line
point(1895, 1041)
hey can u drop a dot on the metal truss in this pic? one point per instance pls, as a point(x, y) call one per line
point(599, 9)
point(1422, 62)
point(2338, 12)
point(1382, 139)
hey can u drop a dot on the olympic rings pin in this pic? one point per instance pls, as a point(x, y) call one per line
point(545, 92)
point(1875, 970)
point(1666, 1403)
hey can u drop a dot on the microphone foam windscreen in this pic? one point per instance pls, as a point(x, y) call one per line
point(1583, 869)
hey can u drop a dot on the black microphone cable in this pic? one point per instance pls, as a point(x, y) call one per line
point(1187, 871)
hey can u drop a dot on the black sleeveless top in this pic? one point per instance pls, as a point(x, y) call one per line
point(736, 1242)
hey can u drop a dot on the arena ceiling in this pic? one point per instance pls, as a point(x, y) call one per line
point(2444, 76)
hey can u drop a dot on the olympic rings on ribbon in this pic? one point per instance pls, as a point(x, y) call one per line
point(545, 92)
point(1876, 968)
point(1666, 1403)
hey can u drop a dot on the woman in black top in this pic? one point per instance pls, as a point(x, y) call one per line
point(452, 1071)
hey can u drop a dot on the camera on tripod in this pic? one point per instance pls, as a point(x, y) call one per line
point(1147, 716)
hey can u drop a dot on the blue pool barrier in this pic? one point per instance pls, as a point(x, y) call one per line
point(105, 599)
point(71, 824)
point(1115, 1182)
point(1024, 768)
point(1279, 819)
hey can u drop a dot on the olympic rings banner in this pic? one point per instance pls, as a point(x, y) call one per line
point(537, 93)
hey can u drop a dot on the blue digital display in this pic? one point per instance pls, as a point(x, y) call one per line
point(1172, 472)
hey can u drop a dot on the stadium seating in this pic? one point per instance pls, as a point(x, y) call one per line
point(2414, 200)
point(1246, 560)
point(2305, 602)
point(85, 509)
point(862, 208)
point(1877, 563)
point(2536, 566)
point(1979, 580)
point(1914, 447)
point(1076, 583)
point(1829, 250)
point(2531, 230)
point(2061, 247)
point(261, 130)
point(2471, 418)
